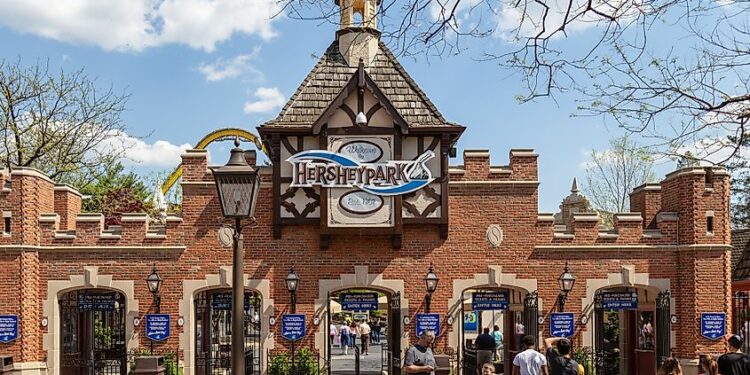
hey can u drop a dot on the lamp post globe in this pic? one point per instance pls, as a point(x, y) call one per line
point(153, 280)
point(567, 280)
point(237, 185)
point(431, 283)
point(292, 281)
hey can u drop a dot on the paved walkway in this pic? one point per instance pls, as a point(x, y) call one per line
point(368, 364)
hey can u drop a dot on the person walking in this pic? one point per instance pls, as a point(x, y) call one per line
point(498, 336)
point(364, 336)
point(708, 365)
point(376, 331)
point(558, 356)
point(670, 366)
point(345, 335)
point(529, 361)
point(485, 345)
point(353, 334)
point(520, 331)
point(419, 358)
point(734, 362)
point(333, 333)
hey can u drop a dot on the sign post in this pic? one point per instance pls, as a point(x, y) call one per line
point(562, 324)
point(359, 301)
point(428, 322)
point(620, 300)
point(293, 329)
point(489, 301)
point(8, 328)
point(713, 325)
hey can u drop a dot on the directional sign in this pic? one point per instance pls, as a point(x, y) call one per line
point(157, 326)
point(713, 325)
point(223, 301)
point(620, 300)
point(358, 301)
point(8, 328)
point(293, 326)
point(428, 322)
point(489, 301)
point(471, 321)
point(96, 301)
point(562, 324)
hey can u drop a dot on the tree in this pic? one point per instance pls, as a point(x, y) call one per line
point(115, 192)
point(612, 174)
point(675, 72)
point(61, 124)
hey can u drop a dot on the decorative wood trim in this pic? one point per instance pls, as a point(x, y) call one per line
point(350, 113)
point(360, 131)
point(372, 111)
point(445, 145)
point(288, 146)
point(299, 221)
point(399, 199)
point(396, 241)
point(275, 157)
point(422, 220)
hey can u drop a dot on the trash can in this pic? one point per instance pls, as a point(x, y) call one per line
point(443, 364)
point(150, 365)
point(6, 364)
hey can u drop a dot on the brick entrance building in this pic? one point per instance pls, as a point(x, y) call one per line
point(79, 287)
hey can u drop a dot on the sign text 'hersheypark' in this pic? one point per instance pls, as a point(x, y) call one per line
point(332, 169)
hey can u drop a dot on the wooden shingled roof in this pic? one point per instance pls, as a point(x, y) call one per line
point(331, 74)
point(740, 254)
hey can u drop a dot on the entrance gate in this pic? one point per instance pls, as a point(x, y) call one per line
point(213, 323)
point(390, 354)
point(93, 333)
point(525, 321)
point(613, 329)
point(741, 317)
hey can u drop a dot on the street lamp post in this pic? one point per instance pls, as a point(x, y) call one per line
point(237, 184)
point(153, 280)
point(431, 282)
point(567, 281)
point(292, 283)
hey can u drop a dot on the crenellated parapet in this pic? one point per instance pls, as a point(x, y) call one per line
point(136, 230)
point(476, 167)
point(688, 206)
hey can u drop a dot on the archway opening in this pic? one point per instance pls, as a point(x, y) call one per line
point(364, 331)
point(495, 319)
point(213, 332)
point(93, 339)
point(631, 330)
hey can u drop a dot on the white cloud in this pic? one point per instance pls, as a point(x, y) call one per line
point(135, 25)
point(222, 69)
point(138, 152)
point(267, 99)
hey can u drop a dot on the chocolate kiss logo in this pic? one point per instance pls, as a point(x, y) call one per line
point(331, 169)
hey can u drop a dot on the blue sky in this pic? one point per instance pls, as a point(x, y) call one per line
point(234, 68)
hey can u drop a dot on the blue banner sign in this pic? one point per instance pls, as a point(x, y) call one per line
point(471, 321)
point(620, 300)
point(428, 322)
point(562, 324)
point(358, 301)
point(96, 302)
point(223, 301)
point(157, 326)
point(713, 325)
point(8, 328)
point(293, 326)
point(489, 301)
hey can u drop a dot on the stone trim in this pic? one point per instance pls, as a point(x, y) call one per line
point(29, 368)
point(545, 218)
point(360, 279)
point(31, 172)
point(500, 182)
point(89, 279)
point(103, 247)
point(477, 153)
point(630, 247)
point(627, 277)
point(647, 187)
point(194, 153)
point(68, 189)
point(493, 278)
point(221, 280)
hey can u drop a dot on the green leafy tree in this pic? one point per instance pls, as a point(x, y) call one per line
point(115, 192)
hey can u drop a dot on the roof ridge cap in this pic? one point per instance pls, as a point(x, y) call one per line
point(399, 68)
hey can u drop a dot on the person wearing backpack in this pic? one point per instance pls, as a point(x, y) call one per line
point(558, 357)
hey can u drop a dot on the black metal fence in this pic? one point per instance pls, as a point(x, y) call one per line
point(741, 317)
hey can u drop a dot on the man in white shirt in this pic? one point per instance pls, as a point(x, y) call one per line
point(364, 332)
point(529, 361)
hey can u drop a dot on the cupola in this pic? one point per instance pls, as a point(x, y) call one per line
point(358, 33)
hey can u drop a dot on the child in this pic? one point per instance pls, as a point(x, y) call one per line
point(488, 369)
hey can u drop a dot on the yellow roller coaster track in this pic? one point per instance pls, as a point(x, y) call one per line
point(218, 135)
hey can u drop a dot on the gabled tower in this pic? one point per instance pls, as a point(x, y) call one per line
point(358, 33)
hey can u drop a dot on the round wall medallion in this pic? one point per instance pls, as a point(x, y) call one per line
point(584, 319)
point(180, 322)
point(225, 236)
point(673, 319)
point(494, 235)
point(136, 321)
point(316, 320)
point(407, 320)
point(272, 321)
point(45, 322)
point(450, 321)
point(540, 319)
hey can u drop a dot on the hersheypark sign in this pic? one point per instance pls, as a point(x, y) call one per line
point(332, 169)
